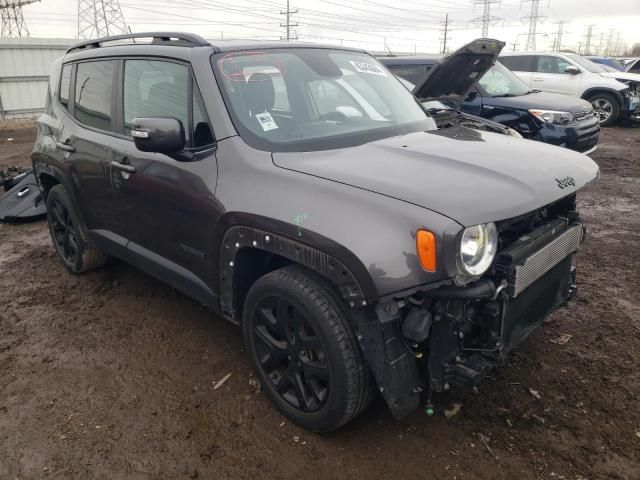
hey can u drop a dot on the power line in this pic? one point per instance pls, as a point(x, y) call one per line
point(288, 24)
point(486, 19)
point(100, 18)
point(13, 24)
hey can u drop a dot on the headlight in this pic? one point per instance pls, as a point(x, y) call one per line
point(553, 116)
point(478, 248)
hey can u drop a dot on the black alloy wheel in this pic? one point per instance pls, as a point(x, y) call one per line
point(74, 247)
point(299, 335)
point(64, 231)
point(291, 355)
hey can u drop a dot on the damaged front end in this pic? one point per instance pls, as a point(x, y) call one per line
point(434, 338)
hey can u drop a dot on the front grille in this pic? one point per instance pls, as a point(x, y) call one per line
point(545, 259)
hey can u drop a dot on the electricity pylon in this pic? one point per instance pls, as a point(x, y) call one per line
point(486, 19)
point(534, 18)
point(13, 24)
point(100, 18)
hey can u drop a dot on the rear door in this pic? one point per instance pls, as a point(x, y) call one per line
point(85, 137)
point(550, 75)
point(167, 206)
point(521, 65)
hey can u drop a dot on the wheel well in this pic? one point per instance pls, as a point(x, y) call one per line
point(591, 93)
point(47, 182)
point(250, 265)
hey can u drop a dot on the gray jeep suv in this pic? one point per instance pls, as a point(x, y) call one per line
point(302, 192)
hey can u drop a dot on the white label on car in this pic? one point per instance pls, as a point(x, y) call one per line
point(372, 68)
point(266, 121)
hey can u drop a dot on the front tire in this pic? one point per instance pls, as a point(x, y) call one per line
point(606, 107)
point(304, 351)
point(74, 247)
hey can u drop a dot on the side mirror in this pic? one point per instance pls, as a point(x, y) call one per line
point(159, 135)
point(572, 69)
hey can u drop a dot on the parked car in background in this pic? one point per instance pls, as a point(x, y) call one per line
point(500, 96)
point(612, 63)
point(614, 95)
point(302, 193)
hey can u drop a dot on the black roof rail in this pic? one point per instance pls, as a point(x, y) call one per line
point(159, 38)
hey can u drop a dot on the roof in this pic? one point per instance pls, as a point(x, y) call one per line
point(511, 54)
point(179, 39)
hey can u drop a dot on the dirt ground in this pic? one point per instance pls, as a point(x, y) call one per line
point(111, 374)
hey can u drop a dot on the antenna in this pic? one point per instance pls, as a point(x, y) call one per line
point(100, 18)
point(13, 24)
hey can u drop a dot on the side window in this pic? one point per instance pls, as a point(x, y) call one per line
point(518, 63)
point(65, 84)
point(94, 82)
point(550, 64)
point(635, 68)
point(154, 88)
point(202, 133)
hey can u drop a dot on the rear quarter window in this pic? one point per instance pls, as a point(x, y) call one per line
point(518, 63)
point(65, 85)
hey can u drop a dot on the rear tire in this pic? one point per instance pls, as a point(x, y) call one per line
point(606, 107)
point(74, 247)
point(297, 332)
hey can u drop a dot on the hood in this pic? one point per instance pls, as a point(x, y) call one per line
point(540, 101)
point(456, 74)
point(469, 176)
point(622, 76)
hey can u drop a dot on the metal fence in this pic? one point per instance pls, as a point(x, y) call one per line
point(24, 74)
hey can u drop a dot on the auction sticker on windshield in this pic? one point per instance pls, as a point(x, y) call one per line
point(364, 67)
point(266, 121)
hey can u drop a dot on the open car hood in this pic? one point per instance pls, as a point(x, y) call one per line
point(456, 74)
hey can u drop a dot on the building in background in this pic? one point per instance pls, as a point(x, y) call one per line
point(24, 74)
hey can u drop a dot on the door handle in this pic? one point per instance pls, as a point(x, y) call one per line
point(124, 167)
point(65, 147)
point(538, 79)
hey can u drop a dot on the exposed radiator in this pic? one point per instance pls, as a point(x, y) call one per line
point(540, 262)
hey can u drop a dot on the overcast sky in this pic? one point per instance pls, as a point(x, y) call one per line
point(401, 25)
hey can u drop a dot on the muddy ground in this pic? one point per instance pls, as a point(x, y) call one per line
point(111, 374)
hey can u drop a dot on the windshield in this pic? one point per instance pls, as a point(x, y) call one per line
point(585, 63)
point(297, 99)
point(499, 81)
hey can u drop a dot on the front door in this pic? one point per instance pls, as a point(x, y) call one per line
point(167, 205)
point(550, 76)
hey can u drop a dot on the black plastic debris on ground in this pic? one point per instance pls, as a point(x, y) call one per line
point(20, 197)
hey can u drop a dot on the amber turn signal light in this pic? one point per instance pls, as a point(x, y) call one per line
point(426, 247)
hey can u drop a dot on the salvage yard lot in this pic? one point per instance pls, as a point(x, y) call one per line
point(111, 374)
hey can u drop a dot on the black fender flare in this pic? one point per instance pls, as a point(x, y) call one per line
point(43, 167)
point(314, 251)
